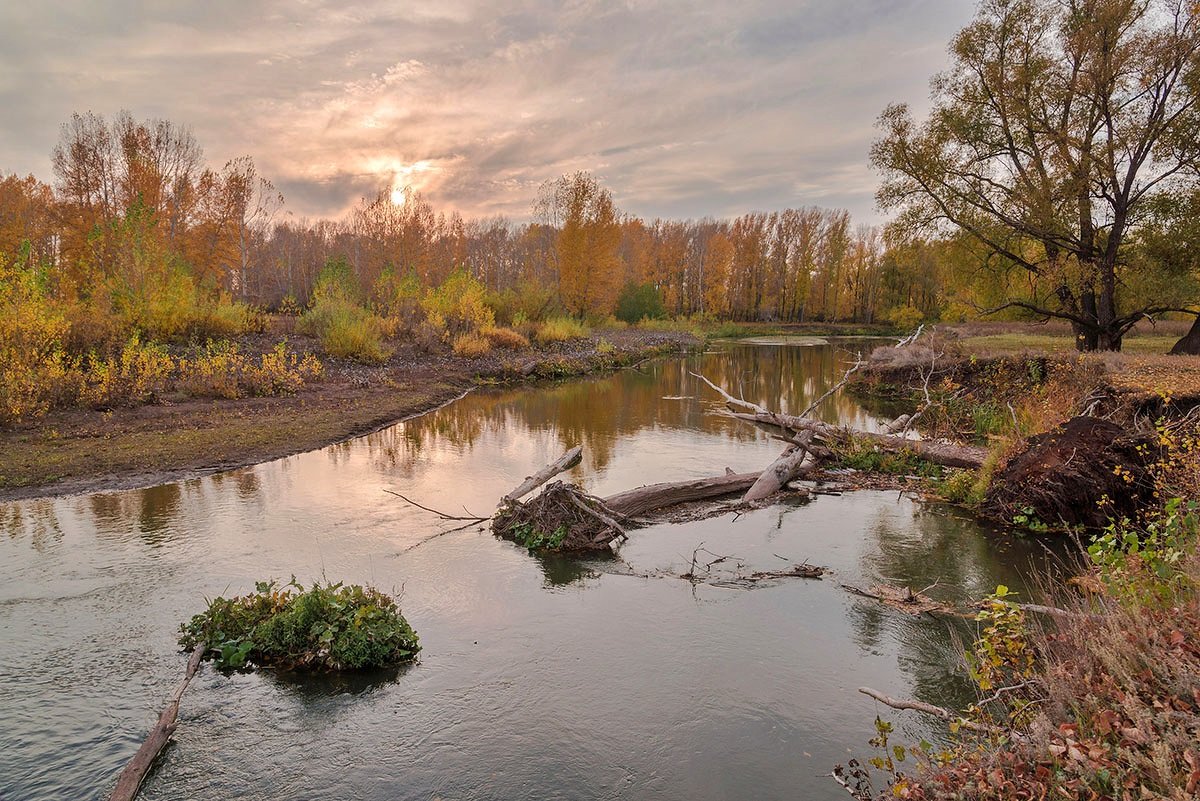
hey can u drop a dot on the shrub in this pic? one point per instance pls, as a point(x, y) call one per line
point(604, 347)
point(505, 338)
point(355, 334)
point(345, 329)
point(35, 372)
point(530, 301)
point(398, 298)
point(640, 301)
point(220, 370)
point(327, 627)
point(136, 376)
point(471, 345)
point(459, 304)
point(905, 318)
point(560, 329)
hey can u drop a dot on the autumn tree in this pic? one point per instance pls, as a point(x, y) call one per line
point(1055, 124)
point(589, 271)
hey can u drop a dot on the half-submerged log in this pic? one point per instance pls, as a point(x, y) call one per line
point(651, 498)
point(134, 774)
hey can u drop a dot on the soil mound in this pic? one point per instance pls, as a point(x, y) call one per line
point(1085, 473)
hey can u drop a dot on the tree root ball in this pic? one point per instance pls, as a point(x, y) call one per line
point(1082, 475)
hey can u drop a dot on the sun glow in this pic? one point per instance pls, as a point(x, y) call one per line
point(406, 177)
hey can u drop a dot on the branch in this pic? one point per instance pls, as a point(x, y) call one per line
point(442, 515)
point(930, 709)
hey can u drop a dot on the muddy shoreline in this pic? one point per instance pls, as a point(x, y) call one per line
point(83, 451)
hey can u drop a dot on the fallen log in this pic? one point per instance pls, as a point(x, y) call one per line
point(651, 498)
point(134, 774)
point(563, 463)
point(941, 453)
point(781, 471)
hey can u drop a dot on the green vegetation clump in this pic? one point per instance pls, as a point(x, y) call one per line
point(527, 535)
point(336, 316)
point(865, 457)
point(640, 302)
point(327, 627)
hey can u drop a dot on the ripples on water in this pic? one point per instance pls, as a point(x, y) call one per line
point(540, 678)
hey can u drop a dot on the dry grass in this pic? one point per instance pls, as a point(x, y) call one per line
point(505, 338)
point(472, 345)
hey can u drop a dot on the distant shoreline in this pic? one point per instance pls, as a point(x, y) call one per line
point(85, 451)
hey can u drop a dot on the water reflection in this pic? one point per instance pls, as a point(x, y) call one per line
point(540, 677)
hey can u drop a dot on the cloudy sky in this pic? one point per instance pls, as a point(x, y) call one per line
point(683, 109)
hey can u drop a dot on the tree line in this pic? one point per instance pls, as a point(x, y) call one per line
point(134, 207)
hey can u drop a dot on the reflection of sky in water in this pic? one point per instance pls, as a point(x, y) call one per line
point(540, 678)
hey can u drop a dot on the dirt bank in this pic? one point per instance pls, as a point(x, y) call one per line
point(84, 450)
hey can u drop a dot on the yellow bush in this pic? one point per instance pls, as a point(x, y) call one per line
point(505, 338)
point(281, 372)
point(460, 303)
point(35, 372)
point(346, 330)
point(560, 329)
point(220, 370)
point(137, 375)
point(471, 345)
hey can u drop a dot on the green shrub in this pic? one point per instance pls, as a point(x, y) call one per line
point(560, 329)
point(327, 627)
point(346, 329)
point(354, 333)
point(1146, 565)
point(640, 302)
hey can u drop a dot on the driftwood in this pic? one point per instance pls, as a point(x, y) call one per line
point(134, 774)
point(941, 453)
point(782, 470)
point(651, 498)
point(565, 462)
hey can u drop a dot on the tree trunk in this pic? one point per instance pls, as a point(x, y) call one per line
point(1087, 337)
point(134, 774)
point(563, 463)
point(1190, 344)
point(635, 502)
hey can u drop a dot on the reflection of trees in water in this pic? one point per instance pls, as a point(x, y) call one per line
point(943, 548)
point(597, 412)
point(35, 519)
point(153, 509)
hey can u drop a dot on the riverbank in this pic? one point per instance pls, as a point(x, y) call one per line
point(80, 450)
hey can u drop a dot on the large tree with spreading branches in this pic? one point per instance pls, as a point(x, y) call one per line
point(1057, 124)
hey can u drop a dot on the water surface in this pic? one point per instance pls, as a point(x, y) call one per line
point(539, 678)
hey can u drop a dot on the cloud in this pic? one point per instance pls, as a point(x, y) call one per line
point(682, 109)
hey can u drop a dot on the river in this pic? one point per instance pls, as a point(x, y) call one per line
point(539, 678)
